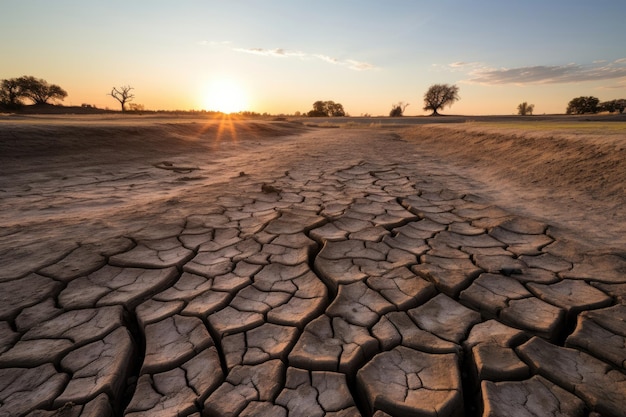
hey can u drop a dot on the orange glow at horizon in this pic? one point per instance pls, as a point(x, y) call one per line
point(225, 96)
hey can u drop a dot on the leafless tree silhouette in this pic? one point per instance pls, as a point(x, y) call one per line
point(397, 110)
point(122, 95)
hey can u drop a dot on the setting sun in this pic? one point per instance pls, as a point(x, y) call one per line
point(225, 96)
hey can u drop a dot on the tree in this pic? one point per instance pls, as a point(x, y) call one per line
point(319, 110)
point(326, 109)
point(11, 93)
point(397, 110)
point(39, 91)
point(525, 109)
point(335, 109)
point(122, 95)
point(613, 105)
point(440, 95)
point(582, 105)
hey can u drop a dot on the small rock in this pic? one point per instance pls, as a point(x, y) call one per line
point(269, 189)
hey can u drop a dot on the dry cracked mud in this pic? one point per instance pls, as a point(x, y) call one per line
point(366, 290)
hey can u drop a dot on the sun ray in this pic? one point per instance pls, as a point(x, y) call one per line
point(226, 127)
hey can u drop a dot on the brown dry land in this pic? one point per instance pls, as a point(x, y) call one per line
point(78, 178)
point(449, 266)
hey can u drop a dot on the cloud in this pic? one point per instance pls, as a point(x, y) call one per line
point(359, 66)
point(326, 58)
point(287, 53)
point(282, 53)
point(278, 52)
point(461, 64)
point(554, 74)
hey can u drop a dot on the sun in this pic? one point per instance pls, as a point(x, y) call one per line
point(225, 96)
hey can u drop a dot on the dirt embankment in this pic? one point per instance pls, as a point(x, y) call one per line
point(576, 178)
point(582, 163)
point(43, 142)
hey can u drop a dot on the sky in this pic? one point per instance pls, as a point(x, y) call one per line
point(280, 56)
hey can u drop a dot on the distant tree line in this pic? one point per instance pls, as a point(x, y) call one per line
point(581, 105)
point(439, 96)
point(14, 90)
point(590, 104)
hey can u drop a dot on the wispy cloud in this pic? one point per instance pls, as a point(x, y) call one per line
point(548, 74)
point(278, 52)
point(461, 64)
point(326, 58)
point(289, 53)
point(286, 53)
point(359, 66)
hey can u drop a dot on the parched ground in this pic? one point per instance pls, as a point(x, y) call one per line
point(177, 267)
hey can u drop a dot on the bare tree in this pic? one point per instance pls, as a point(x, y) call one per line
point(525, 109)
point(397, 110)
point(440, 95)
point(122, 95)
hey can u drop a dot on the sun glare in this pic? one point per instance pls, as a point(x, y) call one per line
point(225, 96)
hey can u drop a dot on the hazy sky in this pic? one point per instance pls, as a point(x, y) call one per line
point(284, 55)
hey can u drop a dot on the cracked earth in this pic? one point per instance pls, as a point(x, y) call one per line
point(320, 278)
